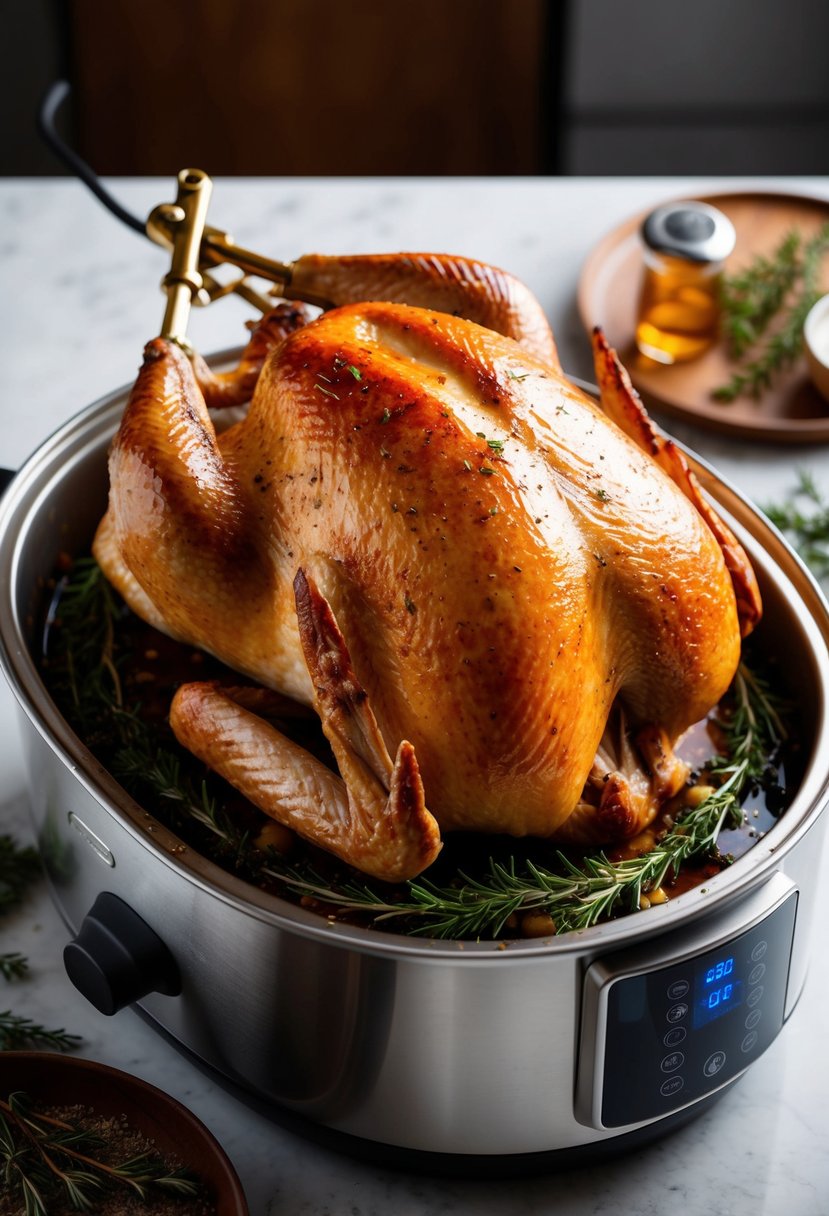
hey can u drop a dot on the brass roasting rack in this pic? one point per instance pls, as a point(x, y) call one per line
point(198, 249)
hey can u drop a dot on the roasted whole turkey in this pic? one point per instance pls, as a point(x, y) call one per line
point(505, 602)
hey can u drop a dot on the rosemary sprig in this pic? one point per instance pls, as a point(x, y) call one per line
point(807, 529)
point(45, 1158)
point(784, 346)
point(141, 763)
point(576, 897)
point(753, 729)
point(13, 966)
point(18, 1032)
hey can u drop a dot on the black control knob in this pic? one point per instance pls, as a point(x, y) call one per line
point(117, 958)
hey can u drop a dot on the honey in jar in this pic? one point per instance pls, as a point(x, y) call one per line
point(685, 246)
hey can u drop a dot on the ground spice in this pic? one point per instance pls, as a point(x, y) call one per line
point(120, 1142)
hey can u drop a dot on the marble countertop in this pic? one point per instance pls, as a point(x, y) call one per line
point(81, 296)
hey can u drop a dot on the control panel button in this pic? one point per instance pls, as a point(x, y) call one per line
point(661, 1031)
point(714, 1063)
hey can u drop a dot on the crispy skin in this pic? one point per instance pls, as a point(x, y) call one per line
point(505, 565)
point(622, 404)
point(460, 286)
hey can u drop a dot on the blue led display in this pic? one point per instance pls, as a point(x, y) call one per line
point(717, 991)
point(724, 967)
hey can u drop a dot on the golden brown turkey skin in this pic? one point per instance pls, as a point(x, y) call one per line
point(502, 561)
point(463, 287)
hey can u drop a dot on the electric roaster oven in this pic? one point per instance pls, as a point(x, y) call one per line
point(541, 1049)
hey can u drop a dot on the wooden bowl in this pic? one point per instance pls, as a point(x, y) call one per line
point(59, 1080)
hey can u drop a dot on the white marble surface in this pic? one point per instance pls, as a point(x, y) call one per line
point(80, 297)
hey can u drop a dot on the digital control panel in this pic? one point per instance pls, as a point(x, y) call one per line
point(667, 1035)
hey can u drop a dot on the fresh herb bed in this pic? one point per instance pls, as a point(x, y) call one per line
point(113, 678)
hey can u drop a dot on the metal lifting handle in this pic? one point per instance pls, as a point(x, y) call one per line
point(180, 226)
point(197, 249)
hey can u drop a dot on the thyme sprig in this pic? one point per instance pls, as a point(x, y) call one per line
point(45, 1158)
point(785, 345)
point(574, 894)
point(752, 297)
point(808, 528)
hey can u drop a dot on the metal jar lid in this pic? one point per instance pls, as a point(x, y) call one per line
point(690, 230)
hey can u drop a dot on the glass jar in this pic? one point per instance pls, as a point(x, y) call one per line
point(685, 245)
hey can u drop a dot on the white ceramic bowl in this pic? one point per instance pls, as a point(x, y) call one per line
point(816, 337)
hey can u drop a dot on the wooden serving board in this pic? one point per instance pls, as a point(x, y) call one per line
point(791, 410)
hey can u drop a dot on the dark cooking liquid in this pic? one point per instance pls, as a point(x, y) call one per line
point(151, 667)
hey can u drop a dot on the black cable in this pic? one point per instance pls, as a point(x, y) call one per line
point(55, 96)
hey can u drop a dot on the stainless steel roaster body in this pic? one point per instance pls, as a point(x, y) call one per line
point(450, 1048)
